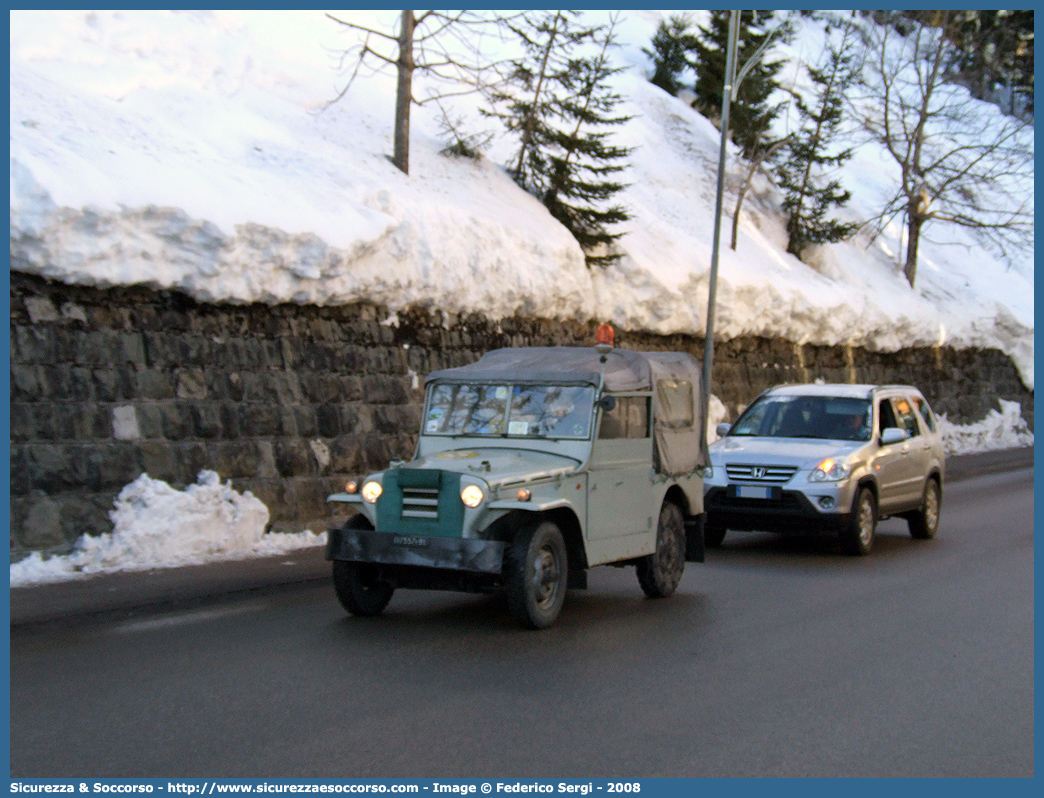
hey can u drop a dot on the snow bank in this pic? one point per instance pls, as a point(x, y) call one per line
point(156, 526)
point(189, 150)
point(999, 430)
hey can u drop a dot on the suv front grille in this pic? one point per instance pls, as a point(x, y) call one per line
point(420, 503)
point(761, 474)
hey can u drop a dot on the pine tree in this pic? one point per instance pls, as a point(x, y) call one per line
point(563, 111)
point(807, 202)
point(670, 46)
point(750, 114)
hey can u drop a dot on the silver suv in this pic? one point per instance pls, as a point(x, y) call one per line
point(833, 457)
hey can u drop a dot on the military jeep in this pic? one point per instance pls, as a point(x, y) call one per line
point(533, 465)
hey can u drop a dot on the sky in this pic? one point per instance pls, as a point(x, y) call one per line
point(200, 151)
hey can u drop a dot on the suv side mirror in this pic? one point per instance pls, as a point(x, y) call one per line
point(607, 403)
point(892, 435)
point(723, 429)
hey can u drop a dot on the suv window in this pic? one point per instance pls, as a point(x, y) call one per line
point(907, 419)
point(629, 419)
point(926, 412)
point(884, 412)
point(795, 416)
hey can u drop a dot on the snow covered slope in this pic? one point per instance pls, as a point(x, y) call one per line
point(190, 150)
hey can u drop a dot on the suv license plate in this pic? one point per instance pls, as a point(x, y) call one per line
point(751, 492)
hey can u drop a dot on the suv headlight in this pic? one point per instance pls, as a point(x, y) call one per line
point(830, 470)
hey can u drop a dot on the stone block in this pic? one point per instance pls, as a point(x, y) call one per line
point(261, 420)
point(235, 459)
point(41, 526)
point(161, 350)
point(54, 467)
point(159, 460)
point(231, 421)
point(305, 421)
point(23, 422)
point(266, 461)
point(206, 420)
point(293, 458)
point(198, 351)
point(150, 420)
point(110, 466)
point(86, 514)
point(35, 345)
point(155, 384)
point(190, 384)
point(377, 451)
point(193, 458)
point(347, 456)
point(177, 421)
point(131, 350)
point(25, 383)
point(327, 419)
point(81, 384)
point(357, 419)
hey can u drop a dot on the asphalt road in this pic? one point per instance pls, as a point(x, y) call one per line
point(778, 657)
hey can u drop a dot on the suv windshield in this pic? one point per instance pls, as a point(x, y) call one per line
point(827, 417)
point(534, 411)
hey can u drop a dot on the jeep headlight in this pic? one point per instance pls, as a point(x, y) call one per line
point(472, 496)
point(371, 491)
point(830, 470)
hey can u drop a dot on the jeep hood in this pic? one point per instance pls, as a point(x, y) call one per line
point(802, 452)
point(498, 466)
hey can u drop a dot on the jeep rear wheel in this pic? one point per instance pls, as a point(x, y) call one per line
point(857, 537)
point(660, 572)
point(358, 588)
point(536, 568)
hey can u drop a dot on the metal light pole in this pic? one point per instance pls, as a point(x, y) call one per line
point(712, 288)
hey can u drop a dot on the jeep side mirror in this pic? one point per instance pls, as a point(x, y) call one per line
point(723, 429)
point(892, 435)
point(607, 403)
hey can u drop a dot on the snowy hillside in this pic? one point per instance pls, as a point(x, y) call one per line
point(189, 150)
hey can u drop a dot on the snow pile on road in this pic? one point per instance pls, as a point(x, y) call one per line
point(1004, 429)
point(156, 526)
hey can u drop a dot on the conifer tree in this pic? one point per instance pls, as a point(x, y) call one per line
point(750, 114)
point(563, 111)
point(810, 154)
point(669, 53)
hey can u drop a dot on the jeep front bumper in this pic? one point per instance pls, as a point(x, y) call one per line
point(390, 548)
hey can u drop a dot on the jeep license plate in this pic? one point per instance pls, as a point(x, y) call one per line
point(752, 492)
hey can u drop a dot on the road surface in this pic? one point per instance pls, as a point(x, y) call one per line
point(778, 657)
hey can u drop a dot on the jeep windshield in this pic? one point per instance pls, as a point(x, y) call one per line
point(510, 410)
point(789, 416)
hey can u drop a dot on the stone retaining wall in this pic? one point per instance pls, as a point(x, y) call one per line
point(290, 401)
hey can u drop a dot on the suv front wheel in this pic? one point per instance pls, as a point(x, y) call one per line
point(857, 537)
point(925, 522)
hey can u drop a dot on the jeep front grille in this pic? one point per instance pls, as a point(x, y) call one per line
point(420, 503)
point(761, 474)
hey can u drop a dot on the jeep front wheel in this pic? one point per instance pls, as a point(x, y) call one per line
point(358, 588)
point(660, 572)
point(536, 568)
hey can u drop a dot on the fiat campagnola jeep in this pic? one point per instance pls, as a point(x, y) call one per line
point(533, 465)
